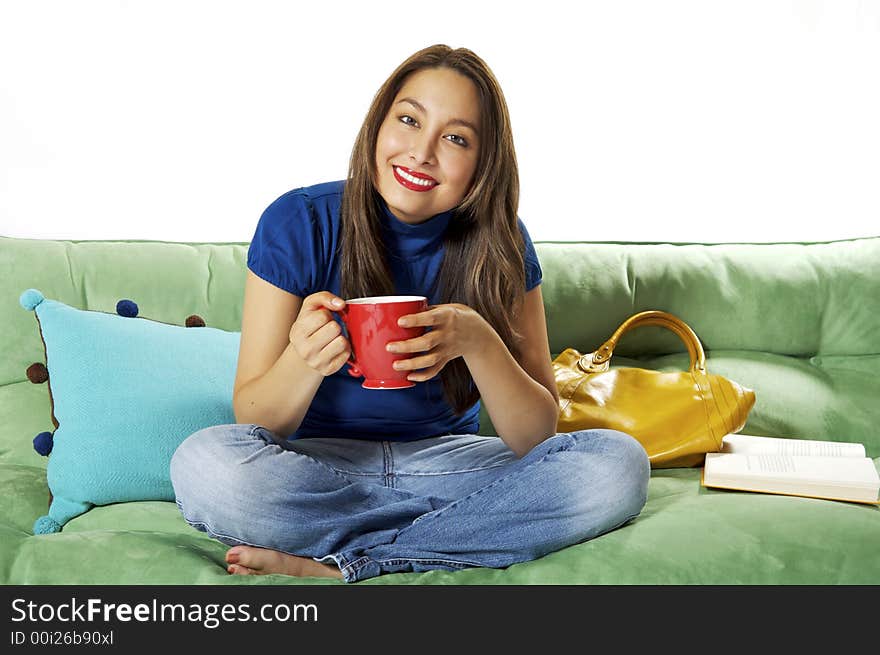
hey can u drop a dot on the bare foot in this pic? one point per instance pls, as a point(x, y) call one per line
point(250, 560)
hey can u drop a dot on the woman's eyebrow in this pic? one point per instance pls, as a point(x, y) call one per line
point(455, 121)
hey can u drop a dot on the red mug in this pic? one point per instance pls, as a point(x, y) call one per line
point(371, 324)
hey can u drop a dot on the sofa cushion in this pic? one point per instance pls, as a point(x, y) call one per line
point(125, 392)
point(686, 534)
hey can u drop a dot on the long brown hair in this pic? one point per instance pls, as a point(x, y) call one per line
point(483, 247)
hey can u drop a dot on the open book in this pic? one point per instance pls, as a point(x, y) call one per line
point(797, 467)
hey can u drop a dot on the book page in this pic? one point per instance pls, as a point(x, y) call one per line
point(846, 471)
point(770, 463)
point(842, 478)
point(747, 444)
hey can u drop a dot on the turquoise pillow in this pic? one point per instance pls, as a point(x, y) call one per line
point(125, 391)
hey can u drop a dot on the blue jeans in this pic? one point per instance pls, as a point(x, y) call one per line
point(374, 507)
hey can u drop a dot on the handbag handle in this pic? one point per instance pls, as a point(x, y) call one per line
point(599, 360)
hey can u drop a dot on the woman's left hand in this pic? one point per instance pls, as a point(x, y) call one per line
point(456, 331)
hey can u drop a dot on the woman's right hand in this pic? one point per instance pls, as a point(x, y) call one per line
point(316, 337)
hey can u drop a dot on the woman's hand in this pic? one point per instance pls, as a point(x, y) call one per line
point(456, 331)
point(316, 337)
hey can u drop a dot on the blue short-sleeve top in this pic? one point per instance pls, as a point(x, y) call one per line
point(296, 248)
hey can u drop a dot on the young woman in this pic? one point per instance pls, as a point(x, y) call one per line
point(321, 477)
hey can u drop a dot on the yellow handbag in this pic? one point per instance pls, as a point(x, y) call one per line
point(678, 417)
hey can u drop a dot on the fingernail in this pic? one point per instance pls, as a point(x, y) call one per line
point(232, 558)
point(337, 302)
point(229, 569)
point(402, 322)
point(391, 347)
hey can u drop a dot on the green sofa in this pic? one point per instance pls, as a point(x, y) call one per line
point(798, 323)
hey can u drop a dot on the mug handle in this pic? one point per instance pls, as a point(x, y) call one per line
point(353, 369)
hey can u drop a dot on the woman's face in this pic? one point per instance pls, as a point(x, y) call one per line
point(431, 132)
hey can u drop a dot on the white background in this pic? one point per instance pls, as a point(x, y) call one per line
point(702, 121)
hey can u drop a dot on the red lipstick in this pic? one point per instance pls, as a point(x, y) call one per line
point(413, 186)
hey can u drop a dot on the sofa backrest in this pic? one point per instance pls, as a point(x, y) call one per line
point(799, 323)
point(800, 300)
point(168, 281)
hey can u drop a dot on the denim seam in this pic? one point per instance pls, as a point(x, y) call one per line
point(430, 560)
point(351, 569)
point(366, 475)
point(472, 470)
point(339, 560)
point(425, 473)
point(388, 464)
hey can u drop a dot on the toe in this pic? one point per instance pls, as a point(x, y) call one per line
point(238, 569)
point(248, 557)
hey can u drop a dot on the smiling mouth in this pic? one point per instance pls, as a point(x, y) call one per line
point(413, 181)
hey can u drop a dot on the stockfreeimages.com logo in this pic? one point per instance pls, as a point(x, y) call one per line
point(210, 615)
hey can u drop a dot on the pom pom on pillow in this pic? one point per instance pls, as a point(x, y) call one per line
point(46, 525)
point(37, 373)
point(30, 299)
point(43, 443)
point(127, 308)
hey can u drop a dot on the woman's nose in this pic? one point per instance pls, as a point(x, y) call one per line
point(421, 149)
